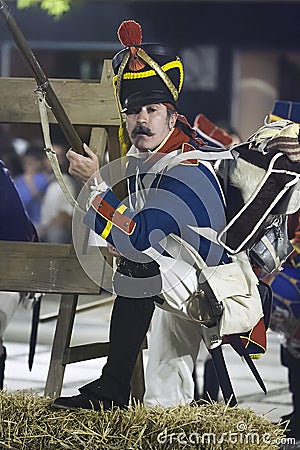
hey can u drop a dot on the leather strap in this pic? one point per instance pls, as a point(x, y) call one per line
point(49, 149)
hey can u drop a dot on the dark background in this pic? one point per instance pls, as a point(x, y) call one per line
point(75, 45)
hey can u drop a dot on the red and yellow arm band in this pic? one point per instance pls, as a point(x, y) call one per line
point(113, 216)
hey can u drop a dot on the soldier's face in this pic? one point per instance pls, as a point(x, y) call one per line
point(148, 126)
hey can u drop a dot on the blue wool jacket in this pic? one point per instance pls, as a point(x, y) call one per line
point(188, 195)
point(15, 224)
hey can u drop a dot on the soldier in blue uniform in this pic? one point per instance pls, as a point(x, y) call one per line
point(15, 225)
point(172, 192)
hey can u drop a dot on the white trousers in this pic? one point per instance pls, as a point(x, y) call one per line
point(173, 349)
point(9, 302)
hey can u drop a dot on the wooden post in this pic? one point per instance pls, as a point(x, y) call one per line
point(98, 142)
point(61, 341)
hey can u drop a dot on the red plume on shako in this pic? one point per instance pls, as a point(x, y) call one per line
point(130, 33)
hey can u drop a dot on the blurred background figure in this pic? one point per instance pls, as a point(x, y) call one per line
point(285, 320)
point(285, 284)
point(56, 212)
point(11, 160)
point(33, 183)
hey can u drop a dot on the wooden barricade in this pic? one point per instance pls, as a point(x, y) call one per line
point(54, 268)
point(86, 102)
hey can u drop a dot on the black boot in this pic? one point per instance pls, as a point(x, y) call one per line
point(129, 324)
point(2, 364)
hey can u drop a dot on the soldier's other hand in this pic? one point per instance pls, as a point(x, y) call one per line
point(112, 250)
point(83, 167)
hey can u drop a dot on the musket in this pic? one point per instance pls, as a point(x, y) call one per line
point(42, 81)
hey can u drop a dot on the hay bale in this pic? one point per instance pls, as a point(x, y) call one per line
point(27, 422)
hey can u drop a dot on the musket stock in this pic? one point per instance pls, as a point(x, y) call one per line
point(42, 81)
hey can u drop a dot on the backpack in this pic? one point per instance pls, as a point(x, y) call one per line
point(262, 188)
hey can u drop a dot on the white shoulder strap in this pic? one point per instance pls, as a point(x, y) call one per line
point(179, 248)
point(172, 159)
point(207, 233)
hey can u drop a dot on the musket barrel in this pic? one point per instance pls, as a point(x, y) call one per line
point(22, 44)
point(41, 79)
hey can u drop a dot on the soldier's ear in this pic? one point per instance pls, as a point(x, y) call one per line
point(173, 119)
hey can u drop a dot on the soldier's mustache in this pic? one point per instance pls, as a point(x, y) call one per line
point(140, 129)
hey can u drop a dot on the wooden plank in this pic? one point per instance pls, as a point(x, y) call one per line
point(113, 143)
point(40, 267)
point(84, 352)
point(107, 73)
point(98, 142)
point(82, 308)
point(86, 103)
point(114, 154)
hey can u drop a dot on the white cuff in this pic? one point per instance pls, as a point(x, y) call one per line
point(96, 190)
